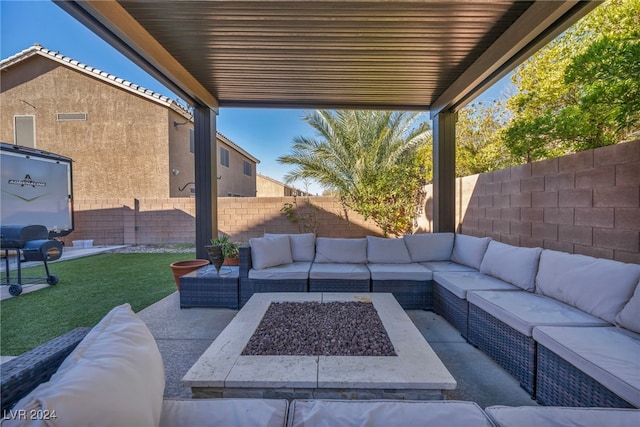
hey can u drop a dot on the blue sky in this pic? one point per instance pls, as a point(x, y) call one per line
point(265, 133)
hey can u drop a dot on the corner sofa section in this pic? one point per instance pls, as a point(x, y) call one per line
point(516, 304)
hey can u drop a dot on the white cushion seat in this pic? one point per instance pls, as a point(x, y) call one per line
point(544, 416)
point(384, 413)
point(224, 412)
point(339, 271)
point(523, 310)
point(411, 271)
point(446, 266)
point(609, 355)
point(293, 271)
point(459, 283)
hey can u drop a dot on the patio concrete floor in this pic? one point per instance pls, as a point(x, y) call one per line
point(183, 335)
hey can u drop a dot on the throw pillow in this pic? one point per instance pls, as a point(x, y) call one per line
point(115, 377)
point(270, 251)
point(303, 246)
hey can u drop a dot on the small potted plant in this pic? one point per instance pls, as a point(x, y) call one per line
point(230, 250)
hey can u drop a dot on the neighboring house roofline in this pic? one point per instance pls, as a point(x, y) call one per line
point(268, 178)
point(236, 147)
point(36, 49)
point(114, 80)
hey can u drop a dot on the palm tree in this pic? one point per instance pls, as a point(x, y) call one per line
point(361, 155)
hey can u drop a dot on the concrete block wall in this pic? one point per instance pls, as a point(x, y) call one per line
point(586, 203)
point(172, 221)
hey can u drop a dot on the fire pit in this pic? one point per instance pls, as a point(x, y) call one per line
point(415, 372)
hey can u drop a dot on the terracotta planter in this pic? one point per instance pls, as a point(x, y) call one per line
point(180, 268)
point(232, 261)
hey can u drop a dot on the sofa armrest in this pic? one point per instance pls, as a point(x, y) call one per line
point(21, 375)
point(245, 260)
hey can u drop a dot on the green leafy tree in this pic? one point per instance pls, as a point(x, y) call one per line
point(580, 91)
point(479, 146)
point(370, 159)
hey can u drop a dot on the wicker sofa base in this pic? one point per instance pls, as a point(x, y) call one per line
point(515, 352)
point(248, 287)
point(559, 383)
point(411, 294)
point(453, 309)
point(333, 285)
point(25, 372)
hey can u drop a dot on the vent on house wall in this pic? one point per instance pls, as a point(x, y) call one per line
point(68, 117)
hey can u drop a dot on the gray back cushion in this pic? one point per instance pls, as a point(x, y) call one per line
point(387, 251)
point(346, 251)
point(598, 286)
point(629, 316)
point(512, 264)
point(469, 250)
point(427, 247)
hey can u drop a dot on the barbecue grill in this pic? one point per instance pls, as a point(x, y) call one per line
point(31, 243)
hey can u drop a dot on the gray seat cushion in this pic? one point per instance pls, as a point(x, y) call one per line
point(224, 412)
point(459, 283)
point(293, 271)
point(437, 266)
point(339, 271)
point(610, 355)
point(385, 413)
point(545, 416)
point(412, 271)
point(523, 310)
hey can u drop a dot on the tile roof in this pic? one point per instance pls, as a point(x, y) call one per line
point(36, 49)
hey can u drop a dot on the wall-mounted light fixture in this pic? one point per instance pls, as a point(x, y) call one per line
point(186, 185)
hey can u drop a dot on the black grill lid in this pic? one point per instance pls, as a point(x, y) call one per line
point(15, 236)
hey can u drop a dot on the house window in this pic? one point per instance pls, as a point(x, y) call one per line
point(246, 166)
point(71, 117)
point(224, 157)
point(192, 142)
point(25, 131)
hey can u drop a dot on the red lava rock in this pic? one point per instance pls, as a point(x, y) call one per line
point(320, 329)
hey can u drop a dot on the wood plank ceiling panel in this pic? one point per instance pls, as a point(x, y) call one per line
point(392, 54)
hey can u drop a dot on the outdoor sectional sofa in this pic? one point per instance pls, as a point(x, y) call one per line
point(112, 375)
point(567, 326)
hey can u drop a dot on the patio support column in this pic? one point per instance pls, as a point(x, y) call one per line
point(444, 172)
point(205, 158)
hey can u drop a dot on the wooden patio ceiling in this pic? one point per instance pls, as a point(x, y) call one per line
point(425, 55)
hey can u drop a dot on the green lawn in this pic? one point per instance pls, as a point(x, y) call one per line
point(89, 287)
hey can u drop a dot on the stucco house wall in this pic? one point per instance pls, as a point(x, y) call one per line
point(134, 143)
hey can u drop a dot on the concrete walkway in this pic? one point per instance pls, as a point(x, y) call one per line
point(183, 335)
